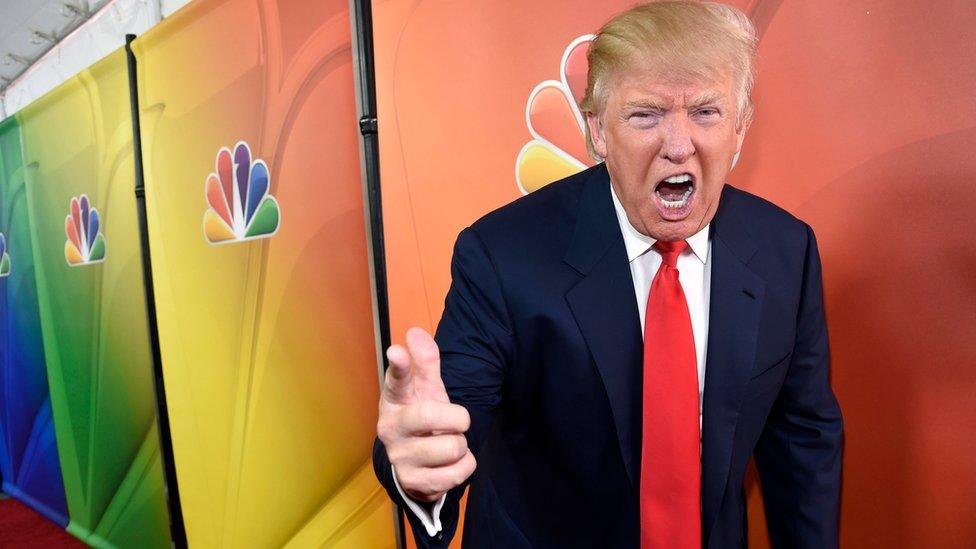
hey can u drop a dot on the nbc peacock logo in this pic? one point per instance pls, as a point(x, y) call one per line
point(240, 207)
point(86, 243)
point(4, 257)
point(558, 145)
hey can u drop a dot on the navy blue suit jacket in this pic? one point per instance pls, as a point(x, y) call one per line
point(540, 340)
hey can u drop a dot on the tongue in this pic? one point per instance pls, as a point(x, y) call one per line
point(672, 191)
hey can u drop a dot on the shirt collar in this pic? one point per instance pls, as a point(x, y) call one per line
point(638, 243)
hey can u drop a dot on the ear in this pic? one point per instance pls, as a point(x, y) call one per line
point(740, 136)
point(740, 131)
point(594, 123)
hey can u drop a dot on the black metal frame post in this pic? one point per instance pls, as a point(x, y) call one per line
point(361, 16)
point(177, 528)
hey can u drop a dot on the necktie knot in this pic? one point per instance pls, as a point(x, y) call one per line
point(670, 251)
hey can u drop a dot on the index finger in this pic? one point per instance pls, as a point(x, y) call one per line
point(430, 416)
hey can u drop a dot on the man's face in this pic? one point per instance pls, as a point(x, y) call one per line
point(668, 148)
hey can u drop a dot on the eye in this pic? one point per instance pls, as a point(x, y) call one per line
point(644, 119)
point(707, 112)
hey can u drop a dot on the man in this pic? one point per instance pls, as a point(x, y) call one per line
point(615, 346)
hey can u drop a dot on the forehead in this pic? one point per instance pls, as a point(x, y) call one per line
point(671, 87)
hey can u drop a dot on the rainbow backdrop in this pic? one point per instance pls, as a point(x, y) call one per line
point(268, 349)
point(28, 452)
point(77, 141)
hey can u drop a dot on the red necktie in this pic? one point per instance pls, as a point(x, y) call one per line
point(670, 486)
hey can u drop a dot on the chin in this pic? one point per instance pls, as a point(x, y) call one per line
point(670, 231)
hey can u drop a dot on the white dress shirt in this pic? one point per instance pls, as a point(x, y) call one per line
point(694, 273)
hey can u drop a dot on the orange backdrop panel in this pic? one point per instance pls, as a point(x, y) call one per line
point(864, 128)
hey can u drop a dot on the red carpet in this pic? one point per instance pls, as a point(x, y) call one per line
point(21, 527)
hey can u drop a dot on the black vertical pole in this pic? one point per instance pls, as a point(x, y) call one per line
point(176, 527)
point(368, 129)
point(361, 15)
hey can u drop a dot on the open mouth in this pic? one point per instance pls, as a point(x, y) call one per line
point(674, 194)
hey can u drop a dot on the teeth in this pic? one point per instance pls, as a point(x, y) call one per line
point(676, 204)
point(682, 178)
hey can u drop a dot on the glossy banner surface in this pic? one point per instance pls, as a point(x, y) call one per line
point(261, 273)
point(864, 128)
point(28, 452)
point(80, 191)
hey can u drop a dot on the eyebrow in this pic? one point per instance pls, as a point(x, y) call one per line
point(706, 99)
point(646, 104)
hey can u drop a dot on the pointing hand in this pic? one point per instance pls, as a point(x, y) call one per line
point(422, 431)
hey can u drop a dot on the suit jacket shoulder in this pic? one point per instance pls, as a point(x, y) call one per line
point(538, 220)
point(765, 221)
point(780, 239)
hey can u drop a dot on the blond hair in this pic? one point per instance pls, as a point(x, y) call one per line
point(683, 42)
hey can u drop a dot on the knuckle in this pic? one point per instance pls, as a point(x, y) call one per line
point(449, 449)
point(406, 452)
point(460, 447)
point(398, 453)
point(387, 427)
point(429, 452)
point(408, 479)
point(460, 419)
point(459, 477)
point(440, 483)
point(442, 454)
point(382, 426)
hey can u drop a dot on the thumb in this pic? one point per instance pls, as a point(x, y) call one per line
point(398, 384)
point(427, 365)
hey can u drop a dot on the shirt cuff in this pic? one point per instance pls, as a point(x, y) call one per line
point(431, 520)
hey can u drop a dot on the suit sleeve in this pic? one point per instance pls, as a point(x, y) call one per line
point(476, 345)
point(798, 455)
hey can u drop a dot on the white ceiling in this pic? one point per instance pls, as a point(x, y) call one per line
point(29, 28)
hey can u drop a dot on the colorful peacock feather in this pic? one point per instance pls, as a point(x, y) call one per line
point(557, 148)
point(4, 257)
point(86, 243)
point(240, 207)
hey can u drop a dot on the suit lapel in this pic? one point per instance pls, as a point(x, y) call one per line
point(605, 309)
point(736, 299)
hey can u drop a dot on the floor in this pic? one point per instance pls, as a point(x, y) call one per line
point(23, 528)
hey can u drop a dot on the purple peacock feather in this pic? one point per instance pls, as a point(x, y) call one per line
point(242, 163)
point(85, 235)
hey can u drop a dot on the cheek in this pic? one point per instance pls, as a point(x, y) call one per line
point(631, 157)
point(636, 151)
point(633, 169)
point(716, 161)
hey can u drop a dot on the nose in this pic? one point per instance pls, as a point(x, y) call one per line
point(677, 145)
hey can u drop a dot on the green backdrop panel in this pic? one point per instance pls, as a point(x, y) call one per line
point(80, 191)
